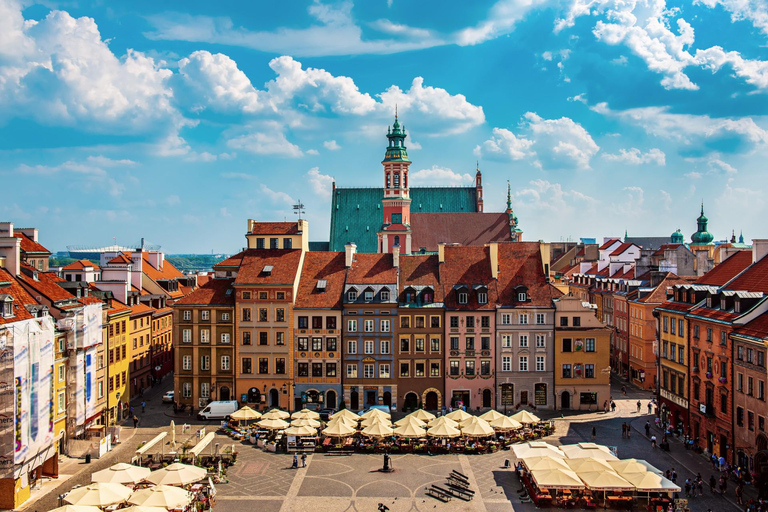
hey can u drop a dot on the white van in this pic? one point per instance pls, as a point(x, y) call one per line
point(218, 410)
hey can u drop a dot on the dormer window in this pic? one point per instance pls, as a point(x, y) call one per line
point(463, 297)
point(368, 295)
point(737, 306)
point(722, 304)
point(322, 284)
point(709, 302)
point(267, 270)
point(429, 296)
point(482, 297)
point(352, 295)
point(385, 295)
point(7, 306)
point(522, 296)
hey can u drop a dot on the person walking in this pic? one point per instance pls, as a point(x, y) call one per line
point(712, 484)
point(650, 408)
point(674, 476)
point(638, 406)
point(295, 461)
point(135, 421)
point(594, 433)
point(647, 428)
point(613, 406)
point(623, 430)
point(723, 485)
point(739, 492)
point(143, 406)
point(653, 441)
point(303, 460)
point(624, 390)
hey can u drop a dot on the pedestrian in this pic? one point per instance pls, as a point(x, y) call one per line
point(638, 406)
point(613, 406)
point(143, 406)
point(739, 491)
point(647, 428)
point(624, 430)
point(723, 484)
point(668, 474)
point(721, 460)
point(687, 488)
point(650, 408)
point(594, 433)
point(135, 421)
point(674, 476)
point(714, 461)
point(295, 461)
point(624, 390)
point(131, 410)
point(712, 484)
point(303, 460)
point(653, 441)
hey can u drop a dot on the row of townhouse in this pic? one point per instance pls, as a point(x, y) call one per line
point(281, 326)
point(89, 337)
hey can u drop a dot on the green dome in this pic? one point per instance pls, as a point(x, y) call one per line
point(702, 236)
point(677, 237)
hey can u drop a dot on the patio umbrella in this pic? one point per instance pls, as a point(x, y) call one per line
point(345, 413)
point(421, 414)
point(276, 414)
point(177, 474)
point(588, 464)
point(98, 495)
point(305, 422)
point(476, 427)
point(244, 414)
point(604, 481)
point(141, 508)
point(505, 423)
point(650, 482)
point(545, 463)
point(378, 429)
point(343, 419)
point(492, 415)
point(121, 473)
point(339, 429)
point(300, 431)
point(409, 420)
point(583, 450)
point(77, 508)
point(161, 496)
point(273, 424)
point(557, 479)
point(410, 430)
point(458, 416)
point(370, 420)
point(536, 449)
point(375, 412)
point(443, 429)
point(305, 414)
point(632, 466)
point(443, 420)
point(525, 417)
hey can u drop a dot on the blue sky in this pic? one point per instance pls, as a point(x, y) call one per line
point(177, 121)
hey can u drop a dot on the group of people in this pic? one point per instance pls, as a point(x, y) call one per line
point(295, 464)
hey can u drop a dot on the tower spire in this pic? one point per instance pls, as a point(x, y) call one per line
point(395, 111)
point(509, 197)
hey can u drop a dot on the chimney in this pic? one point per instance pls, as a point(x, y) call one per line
point(396, 256)
point(441, 252)
point(349, 253)
point(10, 249)
point(6, 229)
point(30, 232)
point(759, 249)
point(493, 251)
point(251, 223)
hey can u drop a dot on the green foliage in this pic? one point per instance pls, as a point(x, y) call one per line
point(195, 262)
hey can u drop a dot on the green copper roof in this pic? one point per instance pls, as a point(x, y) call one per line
point(702, 236)
point(396, 151)
point(356, 214)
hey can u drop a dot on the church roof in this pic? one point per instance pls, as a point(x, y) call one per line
point(476, 228)
point(356, 214)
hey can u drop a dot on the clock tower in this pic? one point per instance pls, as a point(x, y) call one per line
point(396, 203)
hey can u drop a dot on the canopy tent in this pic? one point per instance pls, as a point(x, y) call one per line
point(582, 450)
point(378, 429)
point(536, 449)
point(300, 431)
point(557, 479)
point(443, 420)
point(199, 447)
point(161, 496)
point(545, 463)
point(375, 412)
point(588, 464)
point(339, 429)
point(650, 482)
point(276, 414)
point(409, 420)
point(245, 413)
point(525, 417)
point(421, 414)
point(476, 427)
point(492, 415)
point(345, 413)
point(121, 473)
point(177, 474)
point(443, 429)
point(99, 494)
point(305, 414)
point(411, 429)
point(458, 416)
point(273, 423)
point(632, 466)
point(305, 422)
point(604, 481)
point(505, 423)
point(159, 437)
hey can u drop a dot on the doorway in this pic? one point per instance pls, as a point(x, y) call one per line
point(460, 398)
point(565, 400)
point(387, 398)
point(274, 398)
point(330, 399)
point(224, 393)
point(354, 400)
point(724, 447)
point(524, 397)
point(431, 402)
point(411, 401)
point(487, 401)
point(254, 396)
point(370, 397)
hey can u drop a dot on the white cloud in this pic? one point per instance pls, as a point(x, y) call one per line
point(543, 195)
point(440, 176)
point(331, 145)
point(744, 198)
point(321, 183)
point(173, 200)
point(277, 197)
point(505, 144)
point(755, 11)
point(414, 145)
point(218, 82)
point(636, 197)
point(500, 20)
point(634, 156)
point(270, 141)
point(694, 175)
point(712, 164)
point(312, 152)
point(666, 200)
point(103, 161)
point(87, 174)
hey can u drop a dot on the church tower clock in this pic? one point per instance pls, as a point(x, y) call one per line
point(396, 203)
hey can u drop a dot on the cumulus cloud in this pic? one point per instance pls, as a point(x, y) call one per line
point(331, 145)
point(711, 164)
point(754, 11)
point(87, 175)
point(440, 176)
point(266, 140)
point(542, 195)
point(276, 196)
point(505, 144)
point(634, 156)
point(216, 81)
point(501, 19)
point(173, 200)
point(321, 183)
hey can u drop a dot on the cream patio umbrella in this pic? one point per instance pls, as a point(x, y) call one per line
point(177, 474)
point(98, 494)
point(492, 415)
point(411, 429)
point(557, 479)
point(121, 473)
point(583, 450)
point(525, 417)
point(505, 423)
point(161, 496)
point(378, 429)
point(632, 466)
point(343, 419)
point(305, 422)
point(375, 412)
point(273, 423)
point(588, 464)
point(276, 414)
point(604, 481)
point(536, 449)
point(77, 508)
point(300, 431)
point(443, 429)
point(443, 420)
point(245, 413)
point(407, 420)
point(458, 416)
point(545, 463)
point(476, 427)
point(345, 413)
point(305, 414)
point(421, 414)
point(370, 420)
point(339, 429)
point(141, 508)
point(650, 482)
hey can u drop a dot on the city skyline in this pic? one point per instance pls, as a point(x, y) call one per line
point(139, 121)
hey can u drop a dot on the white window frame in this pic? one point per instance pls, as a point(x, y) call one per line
point(205, 315)
point(522, 318)
point(351, 325)
point(384, 371)
point(351, 346)
point(368, 347)
point(186, 336)
point(368, 371)
point(541, 363)
point(368, 296)
point(384, 346)
point(186, 390)
point(62, 372)
point(351, 296)
point(523, 364)
point(225, 317)
point(205, 390)
point(101, 389)
point(61, 402)
point(522, 297)
point(384, 295)
point(226, 363)
point(506, 363)
point(205, 336)
point(506, 319)
point(463, 297)
point(368, 325)
point(385, 325)
point(186, 362)
point(523, 341)
point(506, 341)
point(540, 318)
point(186, 315)
point(205, 363)
point(352, 370)
point(482, 297)
point(226, 337)
point(541, 341)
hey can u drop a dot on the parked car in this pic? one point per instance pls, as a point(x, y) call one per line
point(219, 410)
point(168, 397)
point(325, 414)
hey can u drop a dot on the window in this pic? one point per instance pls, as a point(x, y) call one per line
point(287, 243)
point(434, 345)
point(62, 369)
point(540, 363)
point(506, 319)
point(485, 321)
point(434, 322)
point(204, 315)
point(680, 327)
point(385, 295)
point(739, 382)
point(541, 341)
point(317, 369)
point(463, 297)
point(453, 366)
point(280, 295)
point(186, 336)
point(351, 347)
point(352, 325)
point(709, 334)
point(469, 367)
point(470, 322)
point(186, 362)
point(523, 364)
point(302, 344)
point(750, 386)
point(577, 321)
point(724, 404)
point(61, 402)
point(485, 343)
point(187, 315)
point(317, 344)
point(540, 318)
point(368, 296)
point(485, 367)
point(696, 331)
point(186, 389)
point(566, 371)
point(273, 243)
point(434, 369)
point(672, 325)
point(368, 325)
point(246, 338)
point(351, 371)
point(665, 323)
point(246, 314)
point(101, 389)
point(385, 325)
point(523, 341)
point(681, 355)
point(749, 355)
point(368, 345)
point(368, 371)
point(351, 296)
point(419, 346)
point(523, 319)
point(454, 321)
point(263, 338)
point(259, 243)
point(330, 369)
point(384, 346)
point(723, 338)
point(482, 297)
point(225, 337)
point(263, 316)
point(263, 365)
point(469, 343)
point(750, 420)
point(405, 345)
point(303, 369)
point(740, 416)
point(205, 363)
point(383, 371)
point(566, 344)
point(506, 364)
point(760, 358)
point(225, 317)
point(761, 390)
point(247, 295)
point(405, 322)
point(225, 363)
point(506, 341)
point(279, 315)
point(589, 345)
point(563, 321)
point(454, 343)
point(247, 368)
point(522, 297)
point(418, 322)
point(405, 369)
point(589, 371)
point(330, 323)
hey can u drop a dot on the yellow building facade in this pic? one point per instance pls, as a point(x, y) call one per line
point(60, 390)
point(118, 359)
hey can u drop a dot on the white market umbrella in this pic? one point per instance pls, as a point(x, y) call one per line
point(300, 431)
point(443, 420)
point(458, 416)
point(376, 412)
point(632, 466)
point(343, 419)
point(244, 414)
point(98, 494)
point(378, 429)
point(409, 420)
point(476, 427)
point(421, 414)
point(77, 508)
point(410, 430)
point(339, 429)
point(557, 479)
point(492, 415)
point(177, 474)
point(505, 423)
point(305, 422)
point(650, 482)
point(305, 414)
point(525, 417)
point(588, 464)
point(121, 473)
point(604, 481)
point(536, 449)
point(443, 429)
point(583, 450)
point(345, 413)
point(141, 508)
point(273, 424)
point(370, 420)
point(545, 463)
point(276, 414)
point(161, 496)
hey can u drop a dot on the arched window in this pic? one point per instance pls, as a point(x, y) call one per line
point(397, 239)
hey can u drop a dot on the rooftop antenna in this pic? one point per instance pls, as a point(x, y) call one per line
point(298, 208)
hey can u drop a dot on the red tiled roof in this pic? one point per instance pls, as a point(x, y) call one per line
point(520, 264)
point(120, 258)
point(168, 271)
point(328, 266)
point(421, 270)
point(665, 247)
point(284, 263)
point(20, 298)
point(80, 265)
point(677, 306)
point(715, 314)
point(89, 300)
point(141, 309)
point(727, 269)
point(368, 268)
point(275, 228)
point(29, 245)
point(476, 228)
point(659, 294)
point(232, 261)
point(468, 266)
point(46, 285)
point(609, 243)
point(757, 328)
point(754, 279)
point(622, 249)
point(213, 293)
point(203, 278)
point(115, 306)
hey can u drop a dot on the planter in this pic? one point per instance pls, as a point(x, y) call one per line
point(709, 375)
point(722, 380)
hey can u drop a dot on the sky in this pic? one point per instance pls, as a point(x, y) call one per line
point(177, 121)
